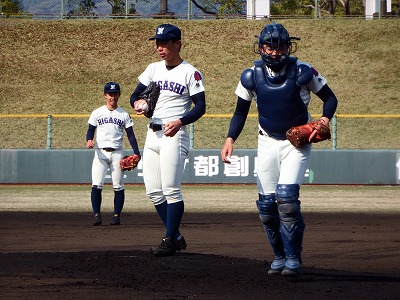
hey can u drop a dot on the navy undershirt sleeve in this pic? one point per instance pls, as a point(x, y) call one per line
point(135, 95)
point(132, 140)
point(90, 132)
point(239, 118)
point(330, 101)
point(197, 111)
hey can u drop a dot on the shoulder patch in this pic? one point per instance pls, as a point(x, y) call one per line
point(315, 72)
point(197, 76)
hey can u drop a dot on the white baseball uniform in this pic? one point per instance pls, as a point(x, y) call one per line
point(110, 129)
point(164, 157)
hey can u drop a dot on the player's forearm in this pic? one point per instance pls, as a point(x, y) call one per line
point(236, 126)
point(135, 95)
point(239, 118)
point(330, 101)
point(132, 140)
point(90, 132)
point(197, 111)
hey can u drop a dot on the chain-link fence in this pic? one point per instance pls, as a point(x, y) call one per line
point(190, 9)
point(179, 9)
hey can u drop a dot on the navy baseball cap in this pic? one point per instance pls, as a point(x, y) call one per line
point(167, 32)
point(112, 87)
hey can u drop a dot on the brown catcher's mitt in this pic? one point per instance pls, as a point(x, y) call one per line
point(300, 135)
point(128, 163)
point(150, 94)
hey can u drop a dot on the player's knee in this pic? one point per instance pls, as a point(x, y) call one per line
point(156, 197)
point(287, 196)
point(287, 192)
point(267, 208)
point(173, 195)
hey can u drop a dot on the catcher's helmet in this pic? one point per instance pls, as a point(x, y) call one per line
point(276, 37)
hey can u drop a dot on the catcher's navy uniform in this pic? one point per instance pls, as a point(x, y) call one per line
point(281, 86)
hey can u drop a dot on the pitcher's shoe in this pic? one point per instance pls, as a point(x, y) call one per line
point(166, 248)
point(277, 266)
point(115, 220)
point(292, 267)
point(97, 219)
point(180, 243)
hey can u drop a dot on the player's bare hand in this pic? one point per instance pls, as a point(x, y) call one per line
point(227, 151)
point(171, 128)
point(139, 105)
point(321, 121)
point(89, 144)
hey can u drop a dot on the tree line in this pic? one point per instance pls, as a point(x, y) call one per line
point(221, 7)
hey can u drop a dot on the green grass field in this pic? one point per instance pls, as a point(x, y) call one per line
point(60, 67)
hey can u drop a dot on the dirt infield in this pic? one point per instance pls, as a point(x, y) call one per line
point(59, 255)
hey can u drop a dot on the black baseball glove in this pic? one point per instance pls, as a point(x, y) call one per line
point(150, 94)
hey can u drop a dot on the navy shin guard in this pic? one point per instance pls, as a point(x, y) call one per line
point(269, 216)
point(291, 220)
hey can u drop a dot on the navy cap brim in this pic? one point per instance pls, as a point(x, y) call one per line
point(163, 38)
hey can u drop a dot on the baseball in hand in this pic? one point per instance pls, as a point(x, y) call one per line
point(143, 106)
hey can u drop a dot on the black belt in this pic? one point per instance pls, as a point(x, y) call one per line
point(155, 127)
point(109, 149)
point(275, 138)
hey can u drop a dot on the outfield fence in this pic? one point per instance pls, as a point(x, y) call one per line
point(334, 122)
point(173, 9)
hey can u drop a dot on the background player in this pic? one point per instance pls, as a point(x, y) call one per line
point(281, 86)
point(110, 121)
point(167, 140)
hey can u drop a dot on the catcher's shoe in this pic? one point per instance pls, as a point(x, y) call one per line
point(115, 220)
point(277, 266)
point(97, 219)
point(292, 267)
point(180, 243)
point(166, 248)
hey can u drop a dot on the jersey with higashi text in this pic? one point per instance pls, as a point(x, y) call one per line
point(176, 87)
point(110, 125)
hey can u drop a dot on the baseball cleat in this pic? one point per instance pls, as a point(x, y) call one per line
point(166, 248)
point(115, 220)
point(97, 219)
point(292, 267)
point(277, 266)
point(180, 243)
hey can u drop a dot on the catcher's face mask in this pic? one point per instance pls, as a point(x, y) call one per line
point(275, 46)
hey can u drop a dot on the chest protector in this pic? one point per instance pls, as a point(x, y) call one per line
point(278, 98)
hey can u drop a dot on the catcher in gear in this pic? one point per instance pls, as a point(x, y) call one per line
point(110, 121)
point(282, 86)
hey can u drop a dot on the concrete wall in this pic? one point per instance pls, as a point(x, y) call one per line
point(204, 166)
